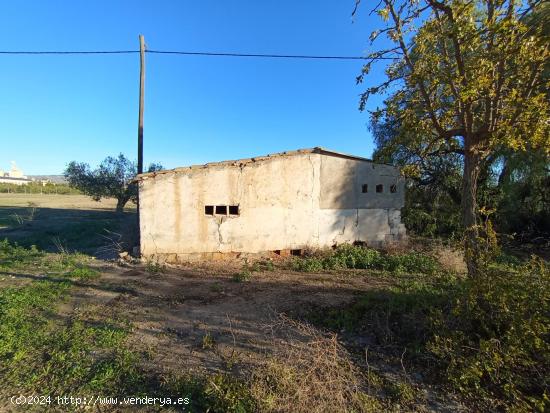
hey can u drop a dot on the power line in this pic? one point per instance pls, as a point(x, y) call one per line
point(71, 52)
point(261, 55)
point(187, 53)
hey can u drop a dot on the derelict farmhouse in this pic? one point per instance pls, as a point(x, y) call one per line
point(310, 198)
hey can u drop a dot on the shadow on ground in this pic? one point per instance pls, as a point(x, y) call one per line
point(175, 310)
point(99, 233)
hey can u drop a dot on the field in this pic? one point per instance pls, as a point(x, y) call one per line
point(54, 222)
point(339, 331)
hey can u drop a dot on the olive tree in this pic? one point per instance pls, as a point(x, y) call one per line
point(112, 179)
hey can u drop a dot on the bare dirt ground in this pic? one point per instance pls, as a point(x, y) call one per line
point(201, 318)
point(198, 320)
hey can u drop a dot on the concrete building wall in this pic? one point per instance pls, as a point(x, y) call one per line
point(347, 213)
point(285, 202)
point(276, 199)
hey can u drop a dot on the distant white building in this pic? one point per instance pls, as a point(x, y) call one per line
point(14, 176)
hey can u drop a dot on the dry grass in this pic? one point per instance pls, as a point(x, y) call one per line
point(451, 259)
point(59, 201)
point(311, 372)
point(66, 223)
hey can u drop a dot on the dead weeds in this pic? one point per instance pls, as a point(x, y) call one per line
point(310, 372)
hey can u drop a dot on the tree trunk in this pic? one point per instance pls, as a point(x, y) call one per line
point(504, 176)
point(120, 204)
point(472, 164)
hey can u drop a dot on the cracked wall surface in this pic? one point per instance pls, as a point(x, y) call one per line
point(285, 202)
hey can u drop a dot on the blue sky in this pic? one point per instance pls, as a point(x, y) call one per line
point(54, 109)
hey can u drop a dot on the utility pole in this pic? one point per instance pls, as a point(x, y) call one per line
point(140, 125)
point(141, 93)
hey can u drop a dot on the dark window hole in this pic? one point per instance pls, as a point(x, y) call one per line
point(221, 209)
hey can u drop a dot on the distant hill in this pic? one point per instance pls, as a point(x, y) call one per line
point(56, 179)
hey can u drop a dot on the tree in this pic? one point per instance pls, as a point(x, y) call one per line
point(113, 178)
point(466, 78)
point(524, 195)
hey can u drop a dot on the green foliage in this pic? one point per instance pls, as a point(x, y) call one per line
point(113, 178)
point(248, 270)
point(43, 355)
point(244, 275)
point(38, 188)
point(486, 338)
point(155, 267)
point(37, 354)
point(467, 80)
point(52, 228)
point(523, 195)
point(430, 210)
point(401, 392)
point(357, 257)
point(266, 265)
point(349, 256)
point(83, 272)
point(12, 255)
point(208, 341)
point(396, 315)
point(217, 393)
point(460, 76)
point(227, 394)
point(494, 342)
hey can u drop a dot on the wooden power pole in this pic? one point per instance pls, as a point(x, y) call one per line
point(140, 128)
point(141, 93)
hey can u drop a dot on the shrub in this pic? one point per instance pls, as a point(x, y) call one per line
point(397, 315)
point(413, 262)
point(225, 393)
point(487, 338)
point(155, 267)
point(13, 255)
point(494, 343)
point(357, 257)
point(308, 264)
point(244, 275)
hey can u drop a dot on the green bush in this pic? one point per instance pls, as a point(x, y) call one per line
point(357, 257)
point(350, 256)
point(311, 264)
point(493, 345)
point(13, 255)
point(413, 262)
point(487, 338)
point(396, 315)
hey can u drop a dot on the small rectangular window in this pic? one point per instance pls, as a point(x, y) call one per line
point(393, 189)
point(233, 210)
point(365, 188)
point(209, 210)
point(379, 188)
point(221, 209)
